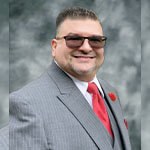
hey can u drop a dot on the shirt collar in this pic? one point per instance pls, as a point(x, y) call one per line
point(84, 85)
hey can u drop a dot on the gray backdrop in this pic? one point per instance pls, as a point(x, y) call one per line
point(145, 74)
point(32, 25)
point(4, 62)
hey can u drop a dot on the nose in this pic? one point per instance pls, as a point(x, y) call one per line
point(85, 46)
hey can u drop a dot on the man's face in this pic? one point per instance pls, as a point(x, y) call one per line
point(84, 61)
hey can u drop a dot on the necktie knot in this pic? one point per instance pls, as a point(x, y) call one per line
point(92, 88)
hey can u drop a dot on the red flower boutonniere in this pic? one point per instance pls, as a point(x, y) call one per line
point(126, 123)
point(112, 96)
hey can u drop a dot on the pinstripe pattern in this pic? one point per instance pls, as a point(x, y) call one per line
point(4, 138)
point(51, 114)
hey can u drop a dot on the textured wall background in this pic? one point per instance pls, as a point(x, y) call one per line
point(4, 62)
point(32, 27)
point(145, 88)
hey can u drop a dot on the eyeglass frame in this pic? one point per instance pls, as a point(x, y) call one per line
point(103, 38)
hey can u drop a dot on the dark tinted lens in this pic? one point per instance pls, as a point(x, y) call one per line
point(74, 41)
point(77, 41)
point(97, 41)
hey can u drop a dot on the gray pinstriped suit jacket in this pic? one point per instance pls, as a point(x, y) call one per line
point(50, 113)
point(4, 138)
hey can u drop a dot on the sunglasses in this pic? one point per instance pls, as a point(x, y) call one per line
point(75, 41)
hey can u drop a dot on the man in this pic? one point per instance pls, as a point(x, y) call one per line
point(60, 110)
point(4, 138)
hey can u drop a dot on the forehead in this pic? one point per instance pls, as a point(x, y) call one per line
point(82, 27)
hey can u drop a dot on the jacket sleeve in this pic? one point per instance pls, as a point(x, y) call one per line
point(4, 138)
point(26, 130)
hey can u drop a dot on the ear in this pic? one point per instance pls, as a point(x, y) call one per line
point(53, 46)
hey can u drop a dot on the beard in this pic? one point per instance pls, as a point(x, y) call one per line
point(81, 71)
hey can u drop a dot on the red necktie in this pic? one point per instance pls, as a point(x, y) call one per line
point(99, 106)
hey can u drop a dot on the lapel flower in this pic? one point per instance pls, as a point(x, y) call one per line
point(112, 96)
point(126, 123)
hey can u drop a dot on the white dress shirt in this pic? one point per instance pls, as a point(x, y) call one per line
point(82, 86)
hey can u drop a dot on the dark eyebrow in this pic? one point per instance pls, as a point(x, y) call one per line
point(73, 34)
point(76, 34)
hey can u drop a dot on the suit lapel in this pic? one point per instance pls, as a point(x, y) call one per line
point(72, 98)
point(117, 112)
point(81, 110)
